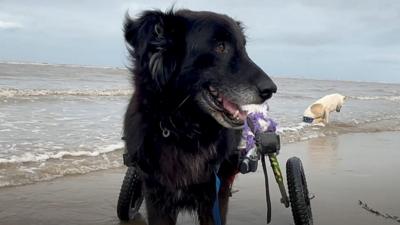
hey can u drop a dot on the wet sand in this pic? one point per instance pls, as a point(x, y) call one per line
point(340, 171)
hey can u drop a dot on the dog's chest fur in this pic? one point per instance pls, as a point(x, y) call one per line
point(183, 173)
point(182, 167)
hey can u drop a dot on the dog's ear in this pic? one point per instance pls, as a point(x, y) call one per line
point(136, 31)
point(317, 110)
point(131, 29)
point(153, 43)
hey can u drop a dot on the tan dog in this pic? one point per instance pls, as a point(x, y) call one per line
point(318, 112)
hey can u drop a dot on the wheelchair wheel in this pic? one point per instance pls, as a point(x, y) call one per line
point(130, 196)
point(298, 192)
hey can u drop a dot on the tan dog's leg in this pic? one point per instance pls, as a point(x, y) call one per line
point(326, 117)
point(319, 113)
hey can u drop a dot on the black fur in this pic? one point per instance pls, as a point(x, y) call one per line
point(176, 57)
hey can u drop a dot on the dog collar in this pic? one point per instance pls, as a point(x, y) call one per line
point(164, 122)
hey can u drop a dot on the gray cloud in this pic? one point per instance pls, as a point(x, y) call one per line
point(7, 25)
point(311, 38)
point(390, 58)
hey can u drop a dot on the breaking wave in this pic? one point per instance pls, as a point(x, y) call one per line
point(388, 98)
point(29, 168)
point(30, 157)
point(60, 65)
point(303, 131)
point(12, 92)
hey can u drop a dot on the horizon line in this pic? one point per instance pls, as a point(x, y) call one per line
point(94, 66)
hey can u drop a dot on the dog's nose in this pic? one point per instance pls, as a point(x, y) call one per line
point(266, 88)
point(267, 94)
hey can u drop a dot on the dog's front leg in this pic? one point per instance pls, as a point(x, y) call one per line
point(224, 195)
point(205, 214)
point(205, 211)
point(156, 216)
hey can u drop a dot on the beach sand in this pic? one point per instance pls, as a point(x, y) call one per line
point(340, 171)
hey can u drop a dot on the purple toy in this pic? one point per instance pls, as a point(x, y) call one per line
point(258, 115)
point(256, 123)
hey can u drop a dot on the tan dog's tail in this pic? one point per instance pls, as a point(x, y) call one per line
point(318, 110)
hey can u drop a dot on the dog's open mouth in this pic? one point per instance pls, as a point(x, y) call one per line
point(230, 112)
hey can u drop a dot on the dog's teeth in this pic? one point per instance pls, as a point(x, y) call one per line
point(213, 91)
point(236, 114)
point(219, 99)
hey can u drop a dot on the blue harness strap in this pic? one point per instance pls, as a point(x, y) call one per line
point(216, 210)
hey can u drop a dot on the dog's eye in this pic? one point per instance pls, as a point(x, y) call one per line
point(220, 47)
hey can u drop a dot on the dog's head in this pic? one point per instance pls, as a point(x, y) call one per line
point(198, 54)
point(341, 101)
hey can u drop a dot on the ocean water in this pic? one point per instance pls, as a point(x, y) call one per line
point(58, 120)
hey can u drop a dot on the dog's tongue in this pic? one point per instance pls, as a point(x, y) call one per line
point(233, 109)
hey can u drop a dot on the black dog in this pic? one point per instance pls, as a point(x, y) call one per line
point(191, 76)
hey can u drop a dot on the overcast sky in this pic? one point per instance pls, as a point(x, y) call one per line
point(338, 39)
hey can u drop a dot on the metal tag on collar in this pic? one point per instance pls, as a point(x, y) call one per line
point(165, 131)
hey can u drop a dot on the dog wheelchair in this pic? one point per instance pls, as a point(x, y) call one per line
point(268, 144)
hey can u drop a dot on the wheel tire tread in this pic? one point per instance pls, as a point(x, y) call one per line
point(131, 179)
point(300, 209)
